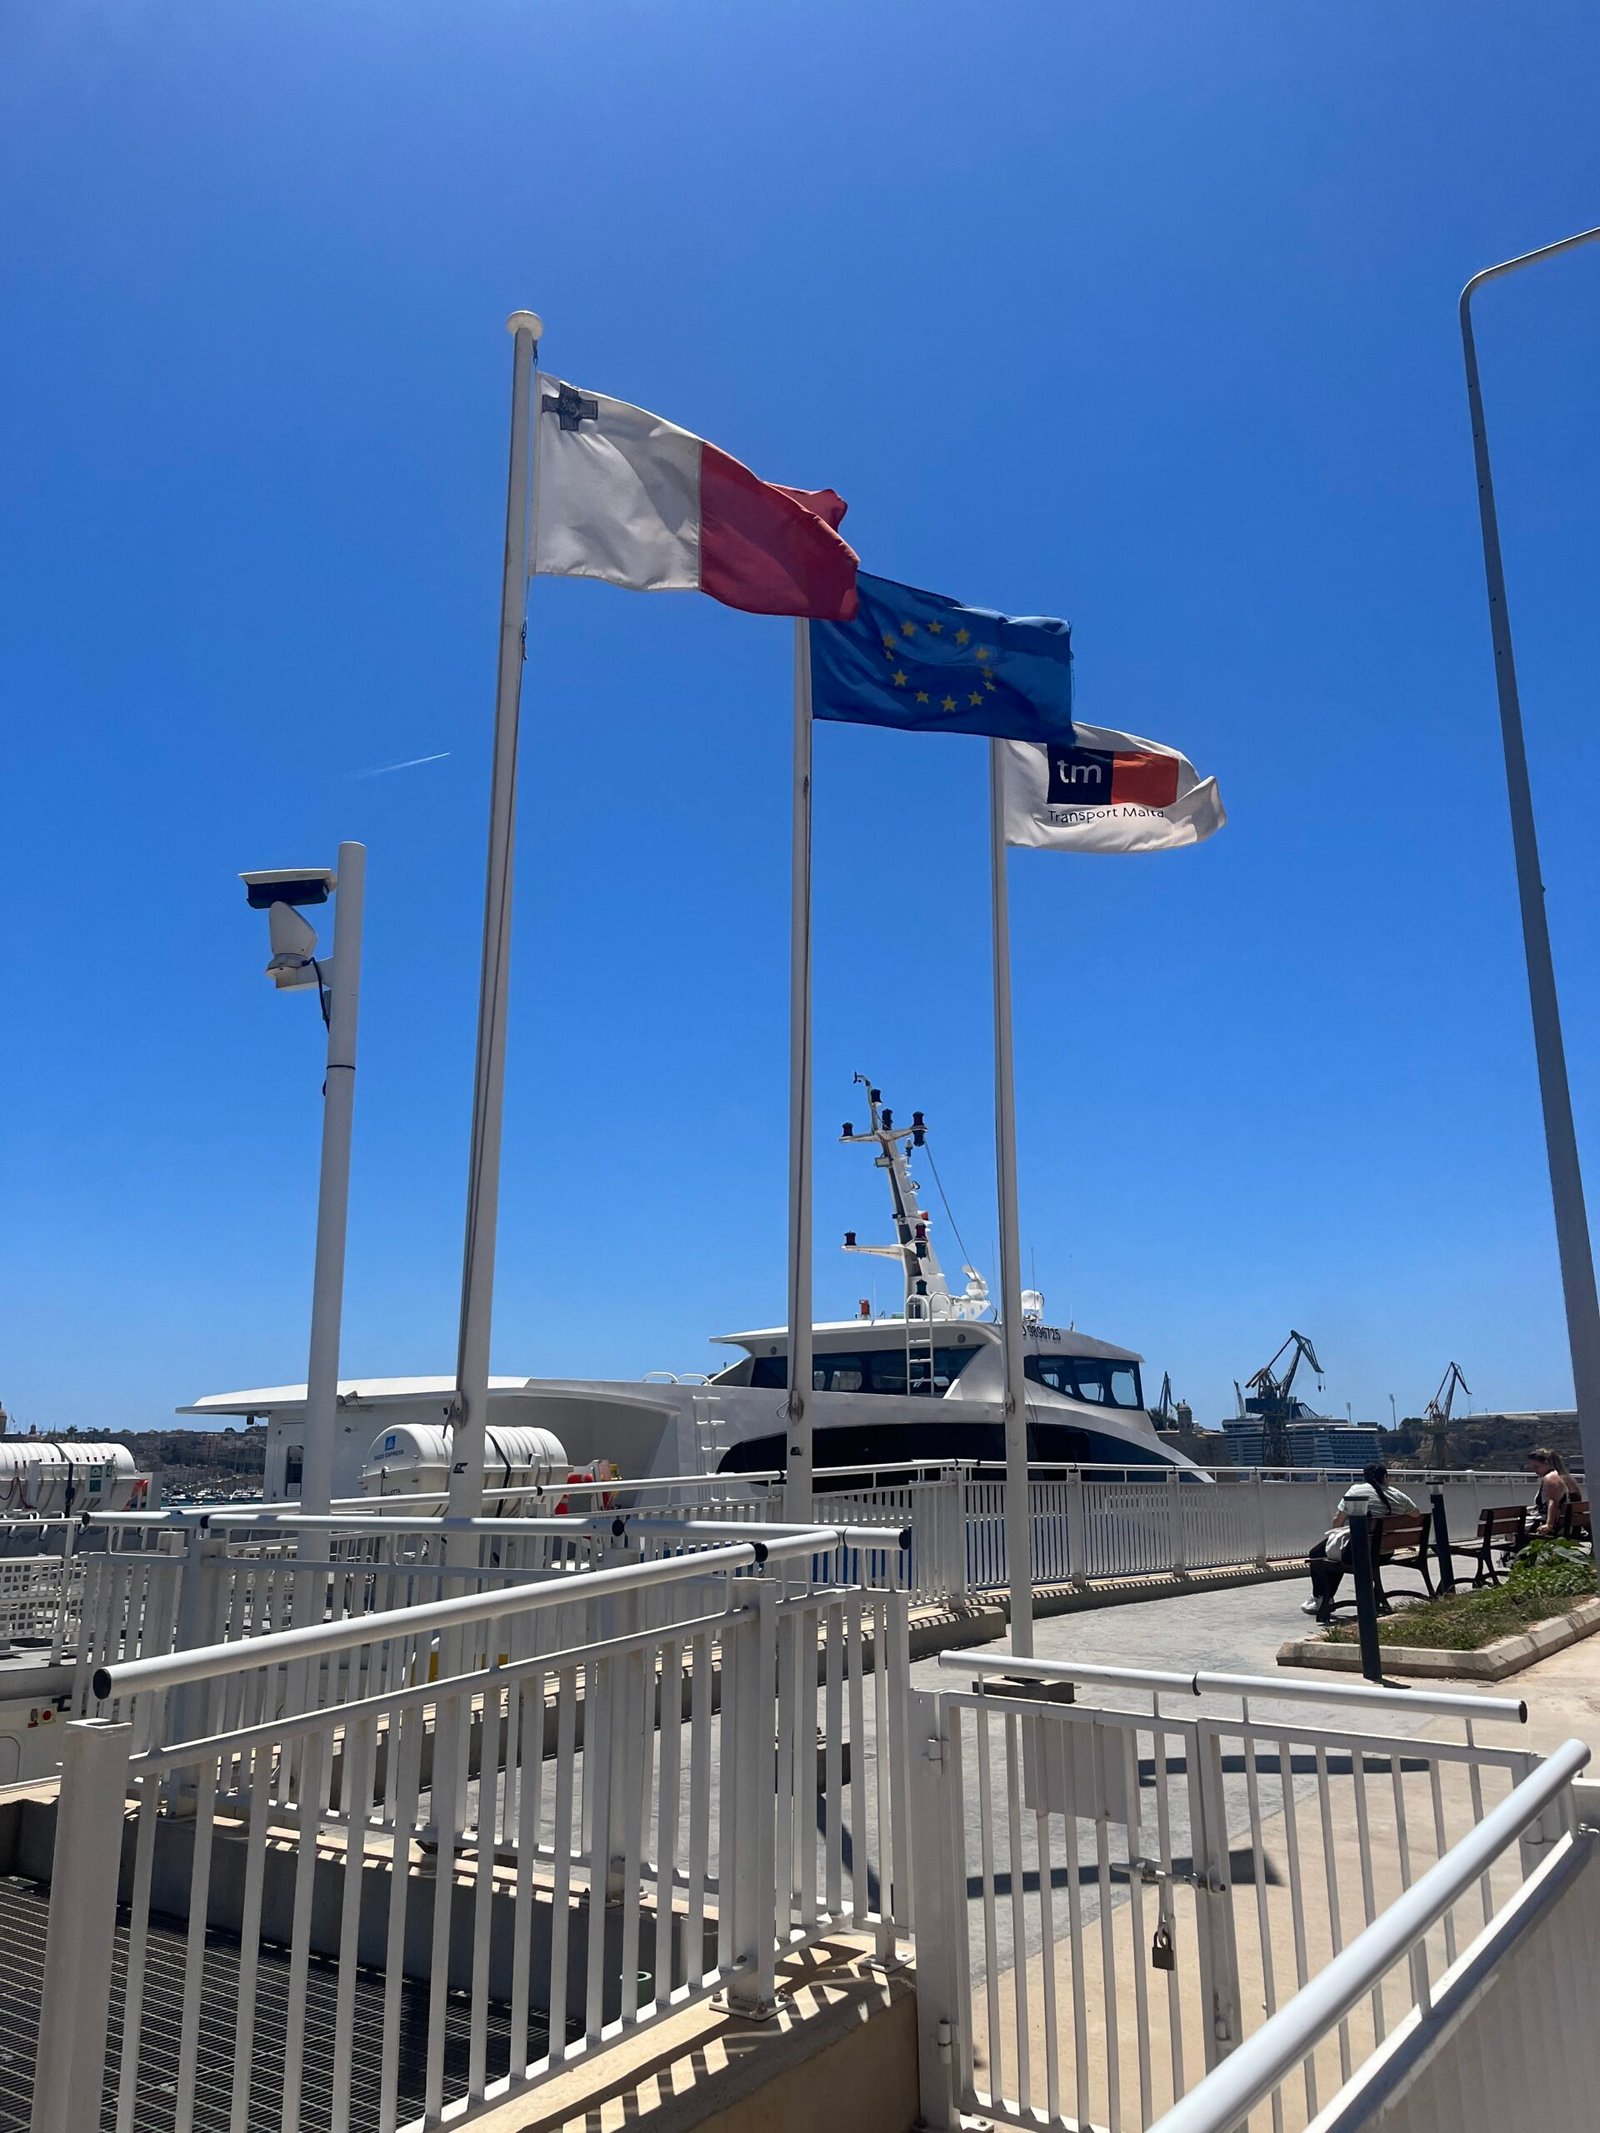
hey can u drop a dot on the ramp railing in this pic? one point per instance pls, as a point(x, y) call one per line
point(137, 1584)
point(247, 1573)
point(1540, 1811)
point(1114, 1893)
point(393, 1866)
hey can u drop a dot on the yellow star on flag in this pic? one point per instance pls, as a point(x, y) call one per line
point(962, 636)
point(908, 629)
point(889, 643)
point(949, 703)
point(935, 629)
point(899, 679)
point(922, 696)
point(975, 698)
point(982, 652)
point(988, 681)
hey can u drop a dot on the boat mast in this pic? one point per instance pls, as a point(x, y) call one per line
point(927, 1290)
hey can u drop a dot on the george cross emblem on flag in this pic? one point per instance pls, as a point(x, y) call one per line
point(571, 407)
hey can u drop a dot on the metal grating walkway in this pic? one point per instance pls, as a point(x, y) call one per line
point(24, 1915)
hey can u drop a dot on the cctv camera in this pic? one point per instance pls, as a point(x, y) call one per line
point(292, 938)
point(294, 944)
point(289, 885)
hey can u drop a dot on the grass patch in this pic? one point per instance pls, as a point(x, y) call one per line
point(1547, 1579)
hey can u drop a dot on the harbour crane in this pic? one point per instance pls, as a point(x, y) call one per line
point(1269, 1395)
point(1437, 1411)
point(1436, 1415)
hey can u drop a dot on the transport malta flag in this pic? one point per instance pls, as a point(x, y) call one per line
point(1109, 792)
point(621, 495)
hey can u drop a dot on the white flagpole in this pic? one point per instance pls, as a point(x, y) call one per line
point(1019, 1525)
point(797, 1491)
point(488, 1092)
point(1574, 1250)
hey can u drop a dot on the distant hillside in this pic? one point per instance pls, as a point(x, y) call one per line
point(1490, 1441)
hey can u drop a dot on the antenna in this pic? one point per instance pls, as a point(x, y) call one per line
point(927, 1291)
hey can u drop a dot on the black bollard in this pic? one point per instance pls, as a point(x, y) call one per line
point(1441, 1542)
point(1366, 1594)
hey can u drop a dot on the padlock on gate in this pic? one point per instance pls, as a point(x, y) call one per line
point(1163, 1956)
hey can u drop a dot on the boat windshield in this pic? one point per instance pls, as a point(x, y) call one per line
point(861, 1370)
point(1097, 1379)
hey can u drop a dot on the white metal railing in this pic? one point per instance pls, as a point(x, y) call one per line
point(1089, 1524)
point(32, 1593)
point(930, 1511)
point(250, 1571)
point(138, 1584)
point(1288, 2043)
point(559, 1801)
point(62, 1550)
point(1112, 1893)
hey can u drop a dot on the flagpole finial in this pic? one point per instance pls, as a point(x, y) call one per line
point(525, 322)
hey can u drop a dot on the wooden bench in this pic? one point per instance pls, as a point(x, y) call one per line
point(1572, 1521)
point(1400, 1541)
point(1501, 1531)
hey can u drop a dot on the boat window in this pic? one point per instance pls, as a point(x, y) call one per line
point(838, 1373)
point(871, 1370)
point(1093, 1378)
point(862, 1447)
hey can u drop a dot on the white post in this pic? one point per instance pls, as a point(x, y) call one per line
point(748, 1732)
point(75, 2005)
point(333, 1193)
point(939, 1867)
point(1077, 1528)
point(494, 982)
point(1561, 1140)
point(1175, 1533)
point(798, 1483)
point(1019, 1525)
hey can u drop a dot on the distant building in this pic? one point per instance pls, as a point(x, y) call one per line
point(1246, 1440)
point(1341, 1446)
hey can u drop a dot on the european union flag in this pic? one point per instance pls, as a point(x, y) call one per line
point(917, 660)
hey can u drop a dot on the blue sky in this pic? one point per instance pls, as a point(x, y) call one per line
point(1145, 316)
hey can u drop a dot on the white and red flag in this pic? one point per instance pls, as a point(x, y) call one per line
point(1107, 792)
point(621, 495)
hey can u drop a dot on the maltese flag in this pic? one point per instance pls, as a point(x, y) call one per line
point(1109, 792)
point(623, 496)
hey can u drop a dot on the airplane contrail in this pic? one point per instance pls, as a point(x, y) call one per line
point(411, 762)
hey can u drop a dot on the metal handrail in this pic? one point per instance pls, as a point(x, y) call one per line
point(317, 1640)
point(569, 1523)
point(1513, 1711)
point(1436, 1702)
point(1233, 2089)
point(883, 1538)
point(569, 1526)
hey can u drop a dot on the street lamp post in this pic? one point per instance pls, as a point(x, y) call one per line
point(295, 966)
point(1561, 1140)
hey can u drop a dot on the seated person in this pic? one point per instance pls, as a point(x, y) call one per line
point(1327, 1558)
point(1557, 1488)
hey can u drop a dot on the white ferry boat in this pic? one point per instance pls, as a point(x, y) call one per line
point(922, 1385)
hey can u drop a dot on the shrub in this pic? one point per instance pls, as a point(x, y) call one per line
point(1546, 1579)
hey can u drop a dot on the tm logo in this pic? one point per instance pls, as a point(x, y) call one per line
point(1081, 774)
